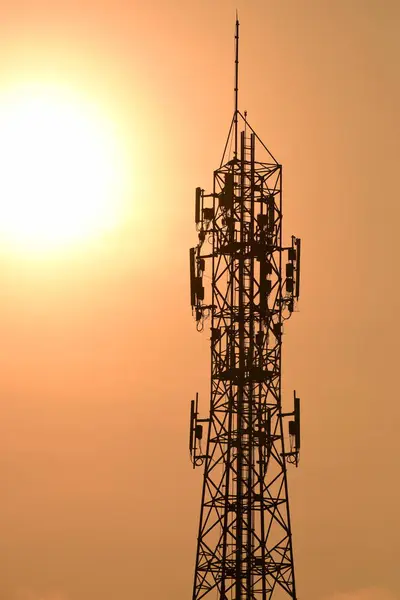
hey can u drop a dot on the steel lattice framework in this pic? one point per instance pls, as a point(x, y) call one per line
point(244, 548)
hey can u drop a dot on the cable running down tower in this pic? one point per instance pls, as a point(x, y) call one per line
point(244, 546)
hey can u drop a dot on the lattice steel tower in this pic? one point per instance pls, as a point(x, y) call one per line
point(244, 548)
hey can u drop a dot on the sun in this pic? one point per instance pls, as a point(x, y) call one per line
point(61, 174)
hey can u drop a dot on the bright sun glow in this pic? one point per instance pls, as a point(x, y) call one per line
point(60, 170)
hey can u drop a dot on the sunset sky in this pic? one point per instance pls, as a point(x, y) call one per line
point(99, 353)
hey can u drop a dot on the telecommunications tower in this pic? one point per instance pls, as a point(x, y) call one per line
point(244, 546)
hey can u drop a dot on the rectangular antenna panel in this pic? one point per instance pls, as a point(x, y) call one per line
point(191, 427)
point(192, 276)
point(297, 420)
point(298, 246)
point(197, 208)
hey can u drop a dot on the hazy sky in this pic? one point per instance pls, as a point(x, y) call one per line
point(99, 354)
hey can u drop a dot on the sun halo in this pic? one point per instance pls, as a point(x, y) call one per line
point(61, 176)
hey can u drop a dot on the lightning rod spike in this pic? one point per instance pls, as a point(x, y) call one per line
point(236, 81)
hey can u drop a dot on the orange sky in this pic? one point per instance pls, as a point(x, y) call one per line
point(99, 354)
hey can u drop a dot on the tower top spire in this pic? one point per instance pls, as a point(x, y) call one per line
point(236, 89)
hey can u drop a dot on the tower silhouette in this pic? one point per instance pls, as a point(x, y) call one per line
point(244, 546)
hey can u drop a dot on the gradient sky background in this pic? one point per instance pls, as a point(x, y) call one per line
point(99, 355)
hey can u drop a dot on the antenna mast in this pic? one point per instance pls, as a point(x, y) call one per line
point(236, 82)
